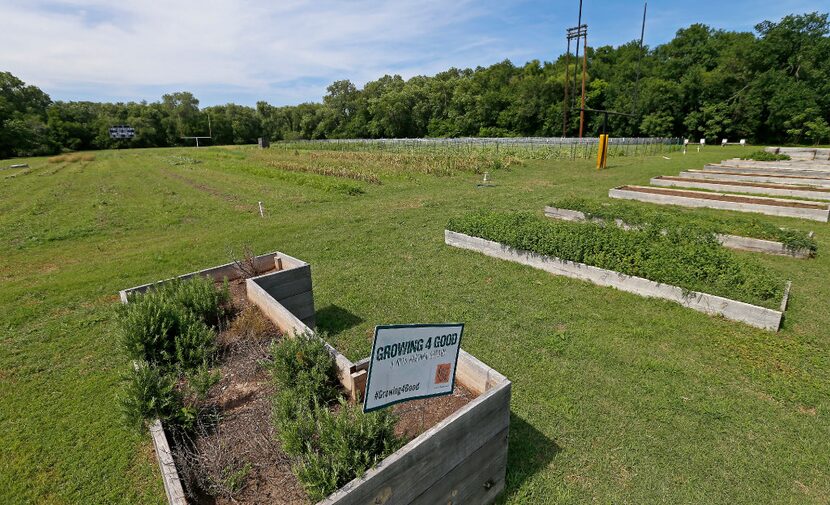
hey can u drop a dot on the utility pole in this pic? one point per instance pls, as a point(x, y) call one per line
point(584, 76)
point(639, 59)
point(565, 104)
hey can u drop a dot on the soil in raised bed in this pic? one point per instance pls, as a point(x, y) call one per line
point(752, 174)
point(243, 444)
point(725, 198)
point(745, 184)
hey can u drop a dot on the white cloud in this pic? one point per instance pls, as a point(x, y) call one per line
point(253, 47)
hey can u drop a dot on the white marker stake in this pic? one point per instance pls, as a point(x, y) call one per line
point(261, 212)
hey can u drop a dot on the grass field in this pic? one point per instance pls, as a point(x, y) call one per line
point(616, 398)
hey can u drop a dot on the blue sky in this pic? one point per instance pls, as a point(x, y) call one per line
point(288, 51)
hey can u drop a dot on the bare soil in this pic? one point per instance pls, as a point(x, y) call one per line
point(726, 198)
point(238, 459)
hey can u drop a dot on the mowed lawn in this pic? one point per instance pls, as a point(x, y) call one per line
point(616, 398)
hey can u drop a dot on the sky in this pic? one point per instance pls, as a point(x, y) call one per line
point(287, 51)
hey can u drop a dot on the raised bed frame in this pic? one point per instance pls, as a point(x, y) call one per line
point(462, 459)
point(736, 242)
point(743, 187)
point(757, 177)
point(807, 153)
point(813, 211)
point(753, 315)
point(796, 170)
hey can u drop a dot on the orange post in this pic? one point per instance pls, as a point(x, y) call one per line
point(602, 152)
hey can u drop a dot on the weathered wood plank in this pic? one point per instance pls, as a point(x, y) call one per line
point(474, 374)
point(477, 480)
point(301, 304)
point(286, 282)
point(228, 270)
point(169, 475)
point(413, 469)
point(741, 203)
point(289, 324)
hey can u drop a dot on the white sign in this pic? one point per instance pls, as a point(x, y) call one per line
point(410, 362)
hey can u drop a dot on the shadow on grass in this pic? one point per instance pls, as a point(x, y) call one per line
point(333, 320)
point(530, 452)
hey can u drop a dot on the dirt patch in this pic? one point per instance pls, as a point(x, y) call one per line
point(745, 184)
point(725, 198)
point(418, 416)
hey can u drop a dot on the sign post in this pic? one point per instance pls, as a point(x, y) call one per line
point(410, 362)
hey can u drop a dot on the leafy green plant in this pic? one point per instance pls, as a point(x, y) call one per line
point(347, 444)
point(681, 256)
point(195, 345)
point(638, 215)
point(148, 394)
point(170, 325)
point(202, 379)
point(331, 446)
point(765, 156)
point(303, 363)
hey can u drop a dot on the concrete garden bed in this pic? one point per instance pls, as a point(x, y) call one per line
point(461, 459)
point(757, 177)
point(799, 171)
point(753, 315)
point(758, 188)
point(736, 242)
point(808, 153)
point(756, 204)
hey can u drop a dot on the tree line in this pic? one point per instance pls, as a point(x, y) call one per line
point(771, 85)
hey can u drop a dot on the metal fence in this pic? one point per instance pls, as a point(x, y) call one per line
point(521, 147)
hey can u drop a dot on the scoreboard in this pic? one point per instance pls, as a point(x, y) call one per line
point(122, 132)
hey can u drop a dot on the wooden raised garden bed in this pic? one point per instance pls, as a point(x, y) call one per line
point(758, 188)
point(461, 458)
point(800, 171)
point(756, 177)
point(753, 315)
point(757, 204)
point(735, 242)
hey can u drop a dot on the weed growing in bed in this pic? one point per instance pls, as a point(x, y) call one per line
point(638, 215)
point(681, 256)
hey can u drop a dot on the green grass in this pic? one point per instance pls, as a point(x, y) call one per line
point(616, 398)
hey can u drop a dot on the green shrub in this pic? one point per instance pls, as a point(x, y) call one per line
point(679, 256)
point(148, 325)
point(303, 363)
point(696, 224)
point(348, 443)
point(195, 345)
point(331, 447)
point(148, 394)
point(201, 379)
point(170, 325)
point(765, 156)
point(199, 297)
